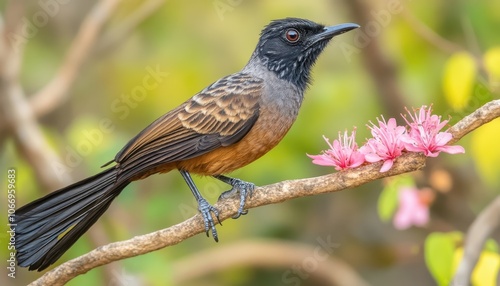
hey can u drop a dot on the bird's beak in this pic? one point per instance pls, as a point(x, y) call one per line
point(332, 31)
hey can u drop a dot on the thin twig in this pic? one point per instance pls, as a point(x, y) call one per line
point(56, 91)
point(267, 254)
point(17, 114)
point(429, 35)
point(15, 110)
point(482, 227)
point(381, 68)
point(481, 116)
point(115, 35)
point(270, 194)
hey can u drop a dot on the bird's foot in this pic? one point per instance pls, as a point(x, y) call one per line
point(206, 211)
point(245, 189)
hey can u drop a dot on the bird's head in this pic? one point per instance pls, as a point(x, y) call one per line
point(289, 47)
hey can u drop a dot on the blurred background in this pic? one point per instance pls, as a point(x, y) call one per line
point(86, 76)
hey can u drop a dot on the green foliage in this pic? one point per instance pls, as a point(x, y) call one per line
point(486, 271)
point(491, 245)
point(439, 255)
point(443, 253)
point(487, 267)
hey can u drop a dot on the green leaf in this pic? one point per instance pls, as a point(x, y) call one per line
point(388, 199)
point(440, 255)
point(491, 245)
point(458, 80)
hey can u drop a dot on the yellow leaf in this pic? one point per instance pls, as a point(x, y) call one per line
point(492, 63)
point(485, 151)
point(459, 76)
point(486, 270)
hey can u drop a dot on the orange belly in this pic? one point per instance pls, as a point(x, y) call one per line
point(266, 133)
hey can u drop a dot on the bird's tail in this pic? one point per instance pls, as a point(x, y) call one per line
point(47, 227)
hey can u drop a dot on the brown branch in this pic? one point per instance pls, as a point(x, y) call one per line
point(125, 28)
point(482, 228)
point(17, 114)
point(270, 194)
point(56, 91)
point(429, 35)
point(382, 69)
point(265, 195)
point(265, 254)
point(469, 123)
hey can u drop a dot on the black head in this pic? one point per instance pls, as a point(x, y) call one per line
point(290, 46)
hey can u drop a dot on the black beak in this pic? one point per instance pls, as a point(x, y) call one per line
point(332, 31)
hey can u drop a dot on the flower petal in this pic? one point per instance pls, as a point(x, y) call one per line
point(387, 165)
point(455, 149)
point(402, 219)
point(372, 158)
point(442, 138)
point(322, 160)
point(420, 216)
point(357, 159)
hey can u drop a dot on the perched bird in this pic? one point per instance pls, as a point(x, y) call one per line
point(225, 126)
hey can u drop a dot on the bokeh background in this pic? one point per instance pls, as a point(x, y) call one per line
point(407, 53)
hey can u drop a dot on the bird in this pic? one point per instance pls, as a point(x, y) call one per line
point(227, 125)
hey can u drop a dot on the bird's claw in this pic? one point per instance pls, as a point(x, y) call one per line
point(206, 211)
point(245, 189)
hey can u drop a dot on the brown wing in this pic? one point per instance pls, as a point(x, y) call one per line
point(219, 115)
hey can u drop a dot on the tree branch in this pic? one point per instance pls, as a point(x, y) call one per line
point(270, 194)
point(429, 35)
point(482, 228)
point(264, 253)
point(381, 68)
point(481, 116)
point(17, 114)
point(128, 25)
point(54, 93)
point(265, 195)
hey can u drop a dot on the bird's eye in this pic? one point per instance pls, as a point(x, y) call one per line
point(292, 35)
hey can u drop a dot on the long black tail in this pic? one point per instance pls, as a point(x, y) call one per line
point(47, 227)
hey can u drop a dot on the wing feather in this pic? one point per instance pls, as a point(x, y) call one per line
point(219, 115)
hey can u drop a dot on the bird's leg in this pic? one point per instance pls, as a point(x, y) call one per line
point(244, 188)
point(204, 207)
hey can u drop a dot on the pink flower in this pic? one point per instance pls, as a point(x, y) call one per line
point(413, 208)
point(343, 153)
point(424, 135)
point(386, 143)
